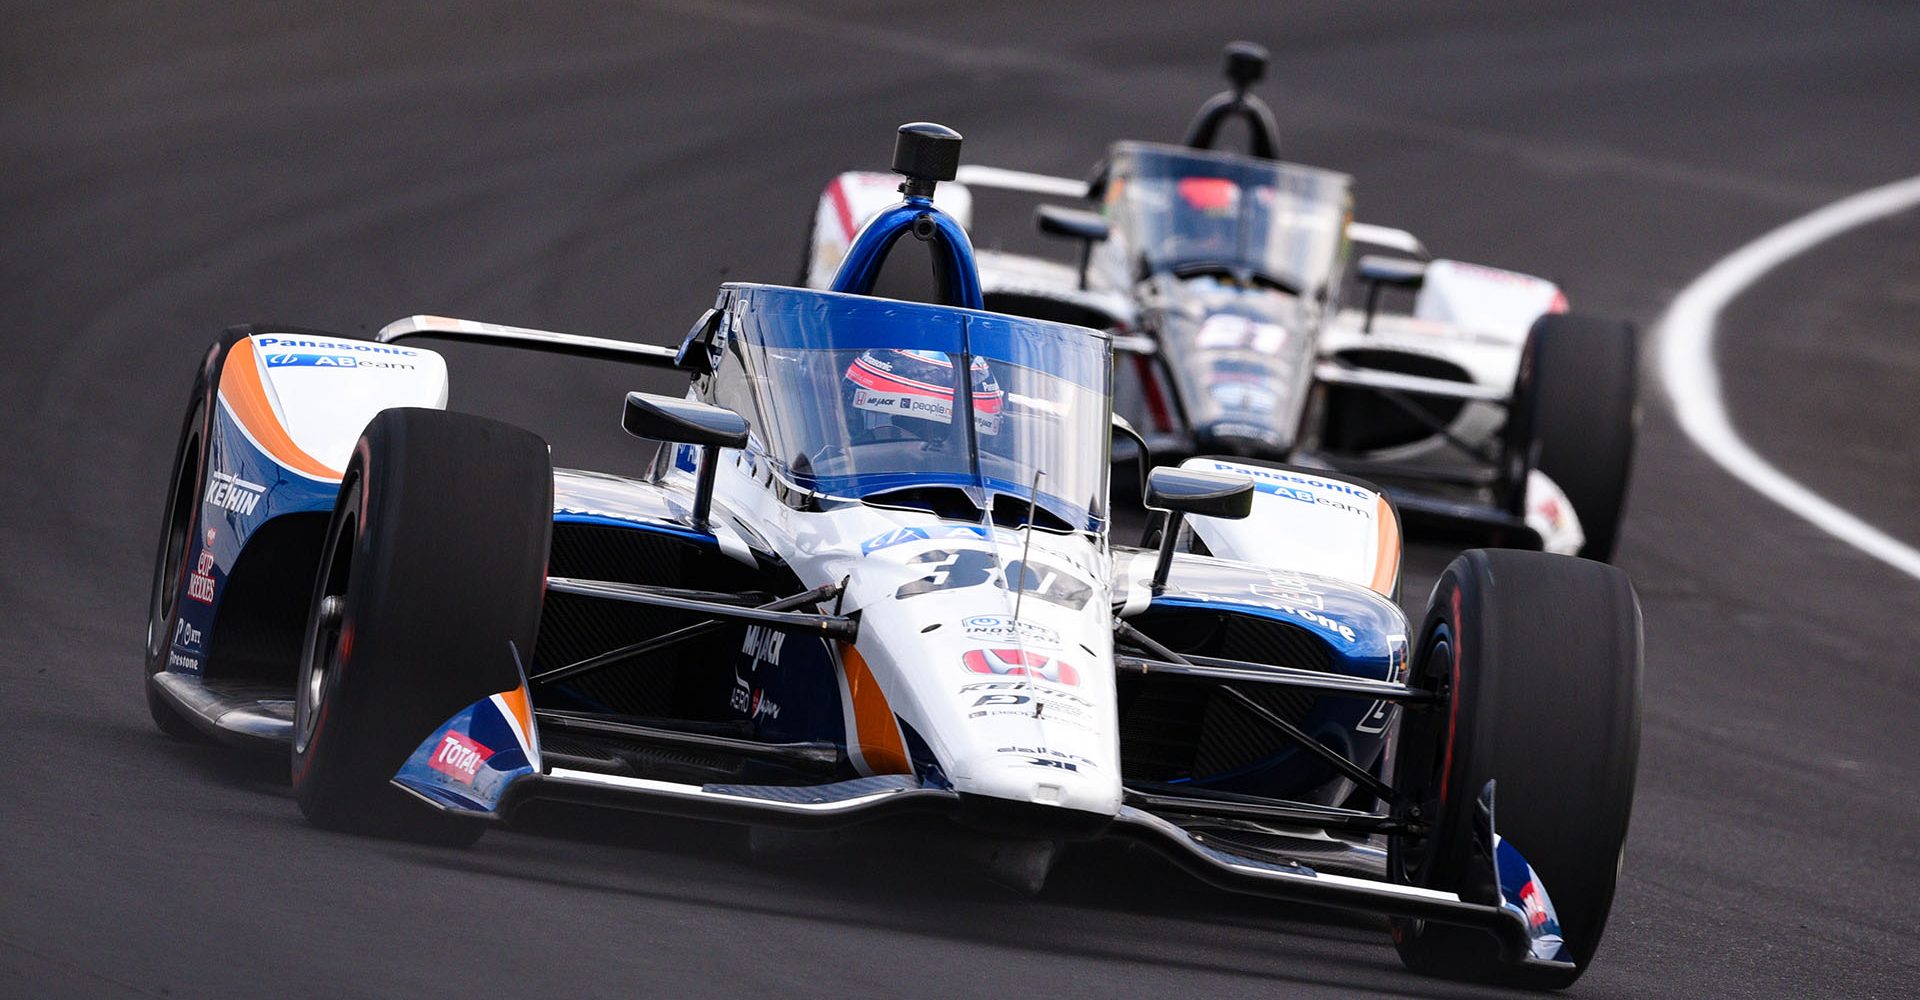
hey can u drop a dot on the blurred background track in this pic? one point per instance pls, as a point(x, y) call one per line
point(167, 170)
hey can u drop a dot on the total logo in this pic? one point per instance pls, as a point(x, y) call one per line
point(229, 492)
point(1021, 663)
point(459, 756)
point(1004, 627)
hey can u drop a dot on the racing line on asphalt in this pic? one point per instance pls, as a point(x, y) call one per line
point(1686, 333)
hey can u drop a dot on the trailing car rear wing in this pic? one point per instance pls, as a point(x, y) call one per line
point(475, 332)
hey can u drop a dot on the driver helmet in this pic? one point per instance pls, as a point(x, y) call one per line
point(913, 390)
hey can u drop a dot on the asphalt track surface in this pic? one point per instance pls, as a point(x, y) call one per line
point(169, 170)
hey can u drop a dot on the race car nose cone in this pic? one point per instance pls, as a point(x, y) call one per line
point(926, 152)
point(1239, 440)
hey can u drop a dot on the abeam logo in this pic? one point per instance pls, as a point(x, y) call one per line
point(459, 756)
point(232, 493)
point(332, 361)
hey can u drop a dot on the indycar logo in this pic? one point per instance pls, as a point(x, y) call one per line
point(332, 361)
point(459, 757)
point(229, 492)
point(1021, 663)
point(1003, 627)
point(200, 583)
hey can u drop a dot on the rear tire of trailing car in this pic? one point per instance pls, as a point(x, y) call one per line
point(1539, 659)
point(180, 532)
point(1575, 415)
point(435, 561)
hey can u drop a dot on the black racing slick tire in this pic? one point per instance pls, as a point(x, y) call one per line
point(180, 530)
point(435, 562)
point(1576, 412)
point(1537, 659)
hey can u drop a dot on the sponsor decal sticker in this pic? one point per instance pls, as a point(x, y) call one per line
point(176, 661)
point(185, 635)
point(1292, 478)
point(229, 492)
point(286, 343)
point(762, 648)
point(459, 756)
point(1003, 627)
point(1047, 757)
point(333, 361)
point(200, 583)
point(1021, 663)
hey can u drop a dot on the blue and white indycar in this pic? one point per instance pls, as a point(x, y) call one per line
point(870, 575)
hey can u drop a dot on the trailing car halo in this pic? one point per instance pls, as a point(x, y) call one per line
point(870, 573)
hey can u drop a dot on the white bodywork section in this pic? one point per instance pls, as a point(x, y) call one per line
point(1318, 523)
point(1043, 731)
point(324, 390)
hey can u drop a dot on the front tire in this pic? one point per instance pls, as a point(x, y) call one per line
point(435, 562)
point(1574, 417)
point(1538, 658)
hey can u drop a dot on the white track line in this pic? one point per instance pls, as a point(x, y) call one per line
point(1693, 384)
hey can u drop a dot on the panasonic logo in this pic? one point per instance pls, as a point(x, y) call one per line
point(335, 345)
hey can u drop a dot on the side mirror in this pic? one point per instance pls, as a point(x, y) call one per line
point(1072, 223)
point(1382, 272)
point(1180, 492)
point(684, 421)
point(1075, 224)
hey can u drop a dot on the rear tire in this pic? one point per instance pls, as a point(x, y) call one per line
point(435, 561)
point(1575, 416)
point(1539, 657)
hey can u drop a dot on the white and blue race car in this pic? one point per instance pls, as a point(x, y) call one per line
point(870, 575)
point(1471, 391)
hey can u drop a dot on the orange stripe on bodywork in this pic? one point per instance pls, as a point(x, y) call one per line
point(246, 395)
point(516, 702)
point(877, 733)
point(1386, 553)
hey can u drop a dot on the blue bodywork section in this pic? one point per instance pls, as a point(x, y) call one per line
point(1364, 634)
point(244, 490)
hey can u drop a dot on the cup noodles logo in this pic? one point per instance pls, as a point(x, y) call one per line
point(1020, 663)
point(459, 757)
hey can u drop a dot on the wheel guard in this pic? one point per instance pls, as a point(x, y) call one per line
point(467, 764)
